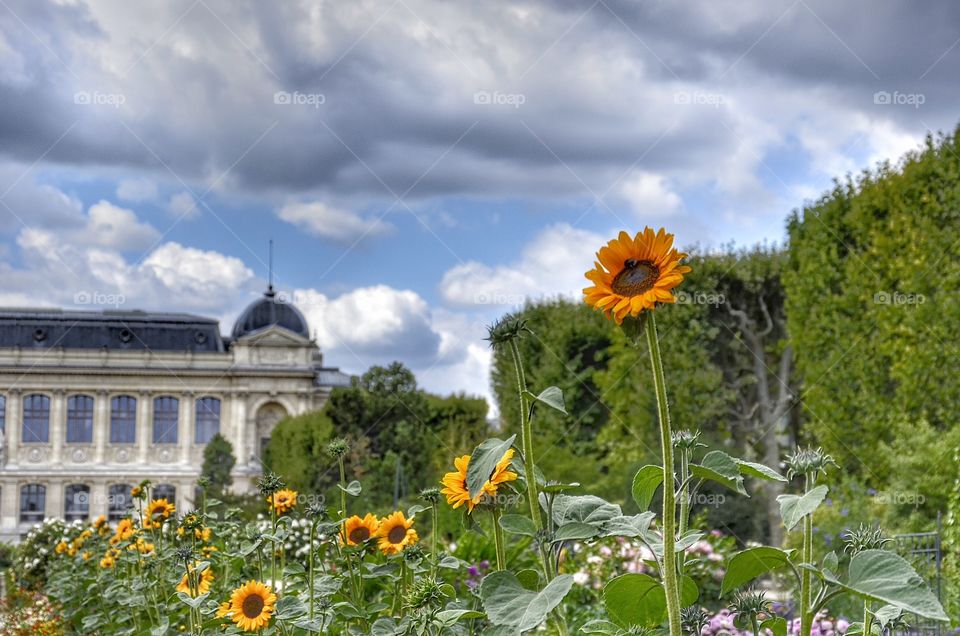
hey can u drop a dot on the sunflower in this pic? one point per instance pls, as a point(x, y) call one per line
point(501, 474)
point(136, 491)
point(283, 500)
point(99, 522)
point(203, 584)
point(124, 531)
point(106, 561)
point(158, 510)
point(224, 610)
point(455, 485)
point(634, 274)
point(396, 532)
point(61, 547)
point(252, 604)
point(357, 531)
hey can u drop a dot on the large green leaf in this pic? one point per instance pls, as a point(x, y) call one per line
point(645, 484)
point(518, 524)
point(632, 526)
point(793, 508)
point(760, 471)
point(879, 575)
point(584, 509)
point(576, 531)
point(510, 605)
point(552, 396)
point(639, 599)
point(719, 467)
point(747, 565)
point(484, 460)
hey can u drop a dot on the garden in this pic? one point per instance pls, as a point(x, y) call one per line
point(706, 444)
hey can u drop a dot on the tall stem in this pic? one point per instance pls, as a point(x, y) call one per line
point(313, 533)
point(670, 582)
point(684, 501)
point(806, 612)
point(434, 539)
point(343, 485)
point(526, 439)
point(498, 537)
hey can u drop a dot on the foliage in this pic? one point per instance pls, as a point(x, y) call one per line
point(218, 461)
point(297, 450)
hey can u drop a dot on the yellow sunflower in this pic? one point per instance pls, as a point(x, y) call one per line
point(136, 491)
point(396, 532)
point(501, 474)
point(225, 610)
point(283, 500)
point(99, 522)
point(125, 530)
point(203, 585)
point(455, 485)
point(251, 605)
point(634, 274)
point(158, 510)
point(357, 531)
point(61, 547)
point(106, 561)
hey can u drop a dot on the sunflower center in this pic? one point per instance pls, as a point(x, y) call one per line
point(252, 606)
point(397, 534)
point(635, 278)
point(359, 535)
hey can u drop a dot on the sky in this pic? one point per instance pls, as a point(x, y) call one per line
point(425, 166)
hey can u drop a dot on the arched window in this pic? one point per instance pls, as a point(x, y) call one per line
point(76, 502)
point(123, 420)
point(79, 419)
point(36, 418)
point(166, 416)
point(208, 419)
point(33, 503)
point(165, 491)
point(119, 501)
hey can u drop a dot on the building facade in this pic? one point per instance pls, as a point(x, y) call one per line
point(93, 402)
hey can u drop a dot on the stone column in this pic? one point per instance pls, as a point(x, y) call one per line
point(101, 426)
point(54, 502)
point(58, 418)
point(13, 426)
point(240, 427)
point(186, 427)
point(98, 498)
point(10, 504)
point(144, 428)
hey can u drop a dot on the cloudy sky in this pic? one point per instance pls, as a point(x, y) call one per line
point(425, 165)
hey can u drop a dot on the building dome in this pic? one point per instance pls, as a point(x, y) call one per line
point(267, 312)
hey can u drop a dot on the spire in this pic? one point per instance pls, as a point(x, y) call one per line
point(270, 291)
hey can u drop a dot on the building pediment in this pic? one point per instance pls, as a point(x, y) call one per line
point(274, 336)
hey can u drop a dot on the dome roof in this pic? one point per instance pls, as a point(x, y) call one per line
point(267, 312)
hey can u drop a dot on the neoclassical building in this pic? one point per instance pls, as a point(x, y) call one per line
point(93, 402)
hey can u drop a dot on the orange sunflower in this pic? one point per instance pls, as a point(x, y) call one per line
point(396, 532)
point(455, 483)
point(634, 274)
point(203, 584)
point(283, 500)
point(251, 606)
point(158, 510)
point(357, 531)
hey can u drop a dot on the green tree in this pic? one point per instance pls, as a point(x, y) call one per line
point(297, 451)
point(218, 462)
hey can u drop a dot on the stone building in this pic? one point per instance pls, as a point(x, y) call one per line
point(93, 402)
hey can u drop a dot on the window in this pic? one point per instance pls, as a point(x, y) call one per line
point(3, 414)
point(165, 491)
point(123, 420)
point(79, 419)
point(76, 502)
point(166, 416)
point(120, 502)
point(208, 419)
point(33, 503)
point(36, 418)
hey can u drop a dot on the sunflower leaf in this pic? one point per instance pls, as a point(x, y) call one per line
point(510, 605)
point(484, 461)
point(552, 396)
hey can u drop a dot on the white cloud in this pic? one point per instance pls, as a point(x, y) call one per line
point(650, 195)
point(182, 205)
point(191, 272)
point(136, 190)
point(552, 264)
point(117, 228)
point(320, 219)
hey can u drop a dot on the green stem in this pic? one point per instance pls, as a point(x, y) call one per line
point(313, 532)
point(526, 439)
point(806, 612)
point(343, 485)
point(684, 501)
point(498, 537)
point(670, 580)
point(867, 623)
point(434, 539)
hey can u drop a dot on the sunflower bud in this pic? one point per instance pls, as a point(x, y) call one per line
point(750, 605)
point(425, 594)
point(693, 619)
point(687, 440)
point(506, 330)
point(338, 447)
point(864, 538)
point(430, 495)
point(269, 484)
point(808, 462)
